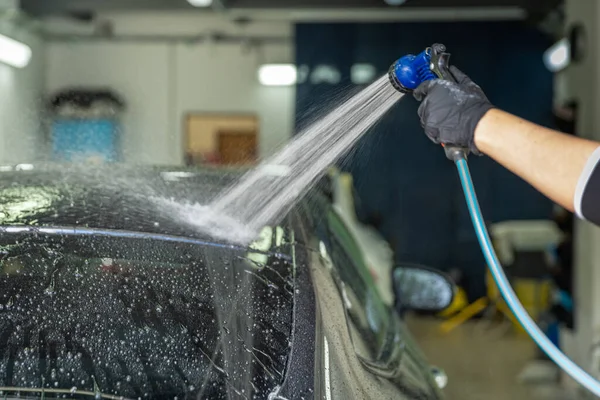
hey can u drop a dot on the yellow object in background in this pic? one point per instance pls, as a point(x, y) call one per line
point(535, 295)
point(467, 311)
point(459, 302)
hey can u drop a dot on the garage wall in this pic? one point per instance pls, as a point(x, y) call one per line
point(163, 81)
point(20, 105)
point(583, 80)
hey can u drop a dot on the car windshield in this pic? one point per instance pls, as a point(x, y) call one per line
point(111, 314)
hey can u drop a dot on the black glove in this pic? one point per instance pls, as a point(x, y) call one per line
point(451, 111)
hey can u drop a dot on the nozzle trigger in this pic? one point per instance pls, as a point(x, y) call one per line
point(440, 61)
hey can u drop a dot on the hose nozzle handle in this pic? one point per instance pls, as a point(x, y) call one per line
point(408, 72)
point(440, 62)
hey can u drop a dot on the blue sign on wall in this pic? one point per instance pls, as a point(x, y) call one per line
point(81, 140)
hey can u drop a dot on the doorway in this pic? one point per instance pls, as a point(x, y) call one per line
point(221, 139)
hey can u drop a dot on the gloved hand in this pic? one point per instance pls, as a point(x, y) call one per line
point(450, 111)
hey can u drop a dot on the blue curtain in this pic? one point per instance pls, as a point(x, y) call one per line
point(400, 176)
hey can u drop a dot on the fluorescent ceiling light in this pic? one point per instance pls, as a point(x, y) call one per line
point(14, 53)
point(558, 56)
point(200, 3)
point(277, 74)
point(361, 74)
point(324, 73)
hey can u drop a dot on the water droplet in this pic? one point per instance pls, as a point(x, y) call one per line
point(73, 389)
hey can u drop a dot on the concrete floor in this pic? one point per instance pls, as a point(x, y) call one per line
point(482, 362)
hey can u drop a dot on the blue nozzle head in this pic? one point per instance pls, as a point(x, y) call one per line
point(407, 73)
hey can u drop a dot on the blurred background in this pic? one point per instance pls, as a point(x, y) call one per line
point(227, 82)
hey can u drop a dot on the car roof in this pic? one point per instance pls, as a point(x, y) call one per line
point(120, 197)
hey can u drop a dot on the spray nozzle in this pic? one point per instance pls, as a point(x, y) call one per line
point(408, 72)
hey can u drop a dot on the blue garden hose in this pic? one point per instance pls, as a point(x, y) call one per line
point(405, 75)
point(509, 295)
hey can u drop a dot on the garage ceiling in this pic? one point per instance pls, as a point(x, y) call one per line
point(57, 7)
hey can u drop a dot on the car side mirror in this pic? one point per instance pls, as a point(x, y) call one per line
point(420, 288)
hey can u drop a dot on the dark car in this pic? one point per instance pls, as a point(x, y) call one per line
point(105, 294)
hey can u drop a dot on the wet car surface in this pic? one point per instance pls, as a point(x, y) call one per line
point(105, 295)
point(131, 304)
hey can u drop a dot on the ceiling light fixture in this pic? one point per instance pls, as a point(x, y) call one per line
point(277, 74)
point(395, 2)
point(200, 3)
point(14, 53)
point(361, 74)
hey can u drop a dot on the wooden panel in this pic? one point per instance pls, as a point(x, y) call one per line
point(202, 135)
point(237, 147)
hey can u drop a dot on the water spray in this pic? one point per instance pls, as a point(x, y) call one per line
point(405, 75)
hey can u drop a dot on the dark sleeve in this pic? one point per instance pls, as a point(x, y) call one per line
point(587, 194)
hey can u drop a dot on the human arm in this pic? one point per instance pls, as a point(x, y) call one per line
point(564, 168)
point(550, 161)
